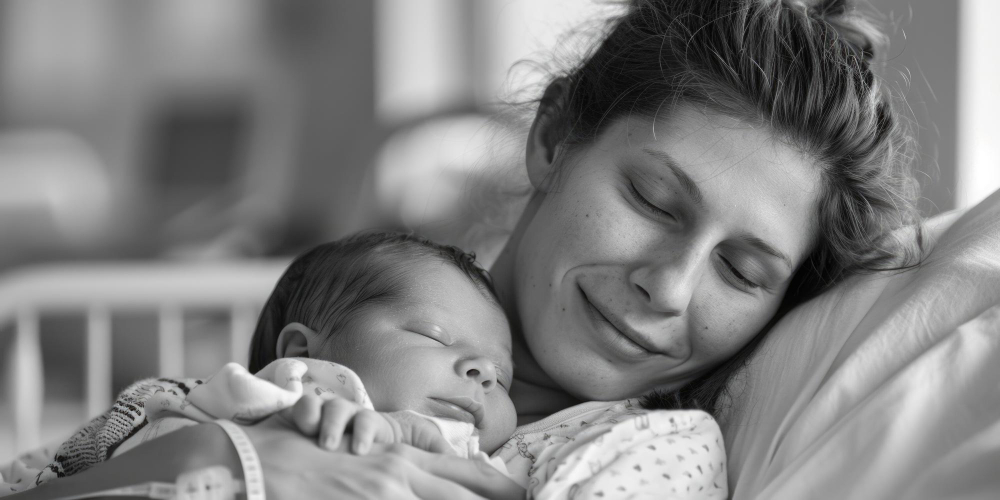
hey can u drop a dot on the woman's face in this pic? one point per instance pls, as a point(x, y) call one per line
point(659, 250)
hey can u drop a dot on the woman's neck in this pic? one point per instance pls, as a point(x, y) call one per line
point(534, 393)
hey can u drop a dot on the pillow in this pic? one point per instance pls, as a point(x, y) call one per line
point(887, 386)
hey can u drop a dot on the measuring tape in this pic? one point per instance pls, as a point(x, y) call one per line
point(253, 472)
point(210, 483)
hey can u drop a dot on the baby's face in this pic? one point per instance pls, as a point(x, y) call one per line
point(445, 351)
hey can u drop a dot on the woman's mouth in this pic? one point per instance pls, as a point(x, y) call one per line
point(615, 336)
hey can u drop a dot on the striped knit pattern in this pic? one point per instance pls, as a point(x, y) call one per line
point(96, 441)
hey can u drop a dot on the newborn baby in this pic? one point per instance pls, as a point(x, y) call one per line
point(377, 331)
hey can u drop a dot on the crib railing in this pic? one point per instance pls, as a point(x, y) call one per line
point(101, 289)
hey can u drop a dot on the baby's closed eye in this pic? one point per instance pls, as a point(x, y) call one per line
point(431, 331)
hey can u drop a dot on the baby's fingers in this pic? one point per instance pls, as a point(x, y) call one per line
point(418, 431)
point(369, 427)
point(305, 415)
point(337, 413)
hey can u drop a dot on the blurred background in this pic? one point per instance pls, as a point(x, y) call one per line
point(141, 141)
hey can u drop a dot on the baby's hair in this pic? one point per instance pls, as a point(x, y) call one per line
point(326, 287)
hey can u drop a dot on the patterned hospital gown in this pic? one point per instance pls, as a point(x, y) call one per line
point(619, 450)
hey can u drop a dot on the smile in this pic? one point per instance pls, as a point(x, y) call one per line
point(461, 408)
point(626, 340)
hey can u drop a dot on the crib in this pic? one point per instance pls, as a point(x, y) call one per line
point(98, 290)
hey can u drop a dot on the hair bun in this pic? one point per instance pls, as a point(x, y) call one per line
point(857, 30)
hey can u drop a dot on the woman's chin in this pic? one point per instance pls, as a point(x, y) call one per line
point(602, 386)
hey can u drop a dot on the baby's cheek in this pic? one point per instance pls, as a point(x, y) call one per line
point(499, 424)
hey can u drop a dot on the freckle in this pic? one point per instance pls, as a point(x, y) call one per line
point(706, 328)
point(564, 309)
point(588, 215)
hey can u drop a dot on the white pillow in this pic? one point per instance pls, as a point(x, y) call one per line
point(887, 386)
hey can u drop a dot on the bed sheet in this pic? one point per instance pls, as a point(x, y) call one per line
point(887, 386)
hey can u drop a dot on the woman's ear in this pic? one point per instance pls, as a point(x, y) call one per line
point(297, 341)
point(542, 153)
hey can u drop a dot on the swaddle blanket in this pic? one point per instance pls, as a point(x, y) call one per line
point(154, 407)
point(234, 394)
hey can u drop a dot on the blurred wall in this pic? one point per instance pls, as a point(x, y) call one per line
point(244, 122)
point(923, 66)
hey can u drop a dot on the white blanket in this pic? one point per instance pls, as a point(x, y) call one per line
point(886, 387)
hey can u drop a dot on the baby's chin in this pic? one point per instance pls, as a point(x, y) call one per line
point(490, 441)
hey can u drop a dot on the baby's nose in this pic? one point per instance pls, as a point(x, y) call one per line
point(479, 369)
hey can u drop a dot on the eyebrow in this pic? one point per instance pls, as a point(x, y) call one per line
point(687, 184)
point(762, 245)
point(691, 188)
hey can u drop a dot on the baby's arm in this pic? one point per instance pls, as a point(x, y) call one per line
point(331, 419)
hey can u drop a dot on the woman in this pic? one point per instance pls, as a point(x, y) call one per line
point(706, 167)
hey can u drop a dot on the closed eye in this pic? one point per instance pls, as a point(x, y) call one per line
point(431, 331)
point(646, 203)
point(435, 338)
point(736, 275)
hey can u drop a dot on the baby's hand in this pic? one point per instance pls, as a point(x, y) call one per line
point(332, 418)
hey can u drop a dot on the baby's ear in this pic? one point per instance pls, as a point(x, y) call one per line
point(295, 340)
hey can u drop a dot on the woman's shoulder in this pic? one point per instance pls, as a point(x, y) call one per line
point(585, 415)
point(587, 440)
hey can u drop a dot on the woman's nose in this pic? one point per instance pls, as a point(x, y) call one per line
point(478, 369)
point(668, 286)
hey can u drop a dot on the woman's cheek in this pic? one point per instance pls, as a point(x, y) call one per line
point(726, 324)
point(600, 227)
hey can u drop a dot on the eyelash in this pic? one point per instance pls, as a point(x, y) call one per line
point(646, 203)
point(429, 337)
point(738, 276)
point(501, 375)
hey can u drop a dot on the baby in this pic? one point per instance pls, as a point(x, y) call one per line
point(417, 322)
point(386, 336)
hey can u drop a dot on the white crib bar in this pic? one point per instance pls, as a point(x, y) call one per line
point(98, 290)
point(28, 385)
point(243, 319)
point(98, 380)
point(171, 341)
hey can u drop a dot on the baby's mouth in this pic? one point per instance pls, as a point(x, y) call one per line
point(461, 408)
